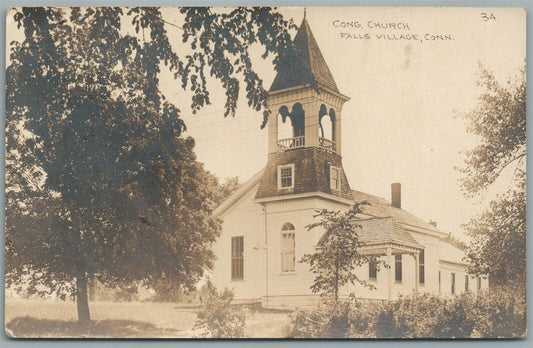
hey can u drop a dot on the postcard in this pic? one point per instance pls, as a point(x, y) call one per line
point(259, 172)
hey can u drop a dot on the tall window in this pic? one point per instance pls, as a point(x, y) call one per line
point(373, 269)
point(286, 176)
point(479, 283)
point(466, 282)
point(439, 284)
point(288, 260)
point(334, 178)
point(453, 283)
point(237, 258)
point(421, 275)
point(398, 267)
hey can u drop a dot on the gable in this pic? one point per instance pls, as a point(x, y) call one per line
point(250, 185)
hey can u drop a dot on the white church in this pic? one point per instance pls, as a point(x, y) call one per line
point(264, 231)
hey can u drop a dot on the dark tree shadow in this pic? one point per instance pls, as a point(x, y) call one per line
point(28, 327)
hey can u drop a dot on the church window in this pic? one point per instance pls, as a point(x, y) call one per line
point(286, 176)
point(288, 246)
point(453, 284)
point(373, 269)
point(398, 267)
point(421, 267)
point(334, 178)
point(237, 258)
point(466, 282)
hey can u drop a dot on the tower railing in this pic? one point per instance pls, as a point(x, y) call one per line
point(291, 143)
point(296, 142)
point(327, 144)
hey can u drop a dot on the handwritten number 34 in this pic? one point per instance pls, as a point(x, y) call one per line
point(487, 16)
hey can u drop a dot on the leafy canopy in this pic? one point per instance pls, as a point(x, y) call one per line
point(100, 181)
point(498, 236)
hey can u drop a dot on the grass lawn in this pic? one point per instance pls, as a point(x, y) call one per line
point(40, 318)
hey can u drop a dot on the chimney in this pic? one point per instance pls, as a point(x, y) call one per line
point(433, 223)
point(396, 195)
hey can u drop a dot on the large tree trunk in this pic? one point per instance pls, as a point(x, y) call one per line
point(81, 298)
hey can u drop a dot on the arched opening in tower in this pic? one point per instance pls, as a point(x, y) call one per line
point(291, 126)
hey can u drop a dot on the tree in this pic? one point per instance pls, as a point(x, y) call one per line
point(498, 236)
point(337, 254)
point(100, 181)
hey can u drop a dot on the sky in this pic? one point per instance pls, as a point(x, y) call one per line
point(408, 87)
point(402, 122)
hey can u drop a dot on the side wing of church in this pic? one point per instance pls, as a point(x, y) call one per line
point(263, 233)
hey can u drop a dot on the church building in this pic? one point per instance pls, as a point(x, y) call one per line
point(264, 231)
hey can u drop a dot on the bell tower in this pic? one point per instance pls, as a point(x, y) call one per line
point(304, 129)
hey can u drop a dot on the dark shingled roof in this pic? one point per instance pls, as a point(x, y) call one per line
point(380, 207)
point(311, 166)
point(384, 230)
point(307, 67)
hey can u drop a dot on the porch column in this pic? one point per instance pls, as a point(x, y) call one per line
point(390, 272)
point(417, 276)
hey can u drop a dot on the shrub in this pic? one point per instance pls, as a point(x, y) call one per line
point(218, 318)
point(482, 315)
point(328, 320)
point(408, 317)
point(500, 313)
point(457, 317)
point(362, 318)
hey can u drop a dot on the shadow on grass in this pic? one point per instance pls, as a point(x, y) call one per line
point(28, 327)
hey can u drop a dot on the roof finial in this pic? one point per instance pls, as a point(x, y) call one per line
point(305, 11)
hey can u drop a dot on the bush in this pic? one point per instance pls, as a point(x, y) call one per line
point(218, 318)
point(328, 320)
point(501, 314)
point(408, 317)
point(485, 315)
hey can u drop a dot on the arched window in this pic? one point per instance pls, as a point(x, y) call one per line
point(298, 120)
point(291, 127)
point(288, 245)
point(327, 123)
point(284, 123)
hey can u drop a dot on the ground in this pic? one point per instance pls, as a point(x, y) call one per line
point(40, 318)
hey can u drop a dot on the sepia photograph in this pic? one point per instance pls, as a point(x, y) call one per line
point(265, 172)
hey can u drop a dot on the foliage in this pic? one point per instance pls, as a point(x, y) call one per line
point(217, 318)
point(501, 313)
point(100, 181)
point(456, 242)
point(500, 122)
point(335, 319)
point(485, 315)
point(498, 245)
point(127, 293)
point(337, 254)
point(166, 291)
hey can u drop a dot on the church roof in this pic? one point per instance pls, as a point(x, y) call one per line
point(381, 230)
point(380, 207)
point(305, 65)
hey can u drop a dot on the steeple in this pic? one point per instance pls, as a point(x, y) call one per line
point(304, 128)
point(306, 66)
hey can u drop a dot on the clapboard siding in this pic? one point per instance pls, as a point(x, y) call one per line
point(243, 218)
point(300, 213)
